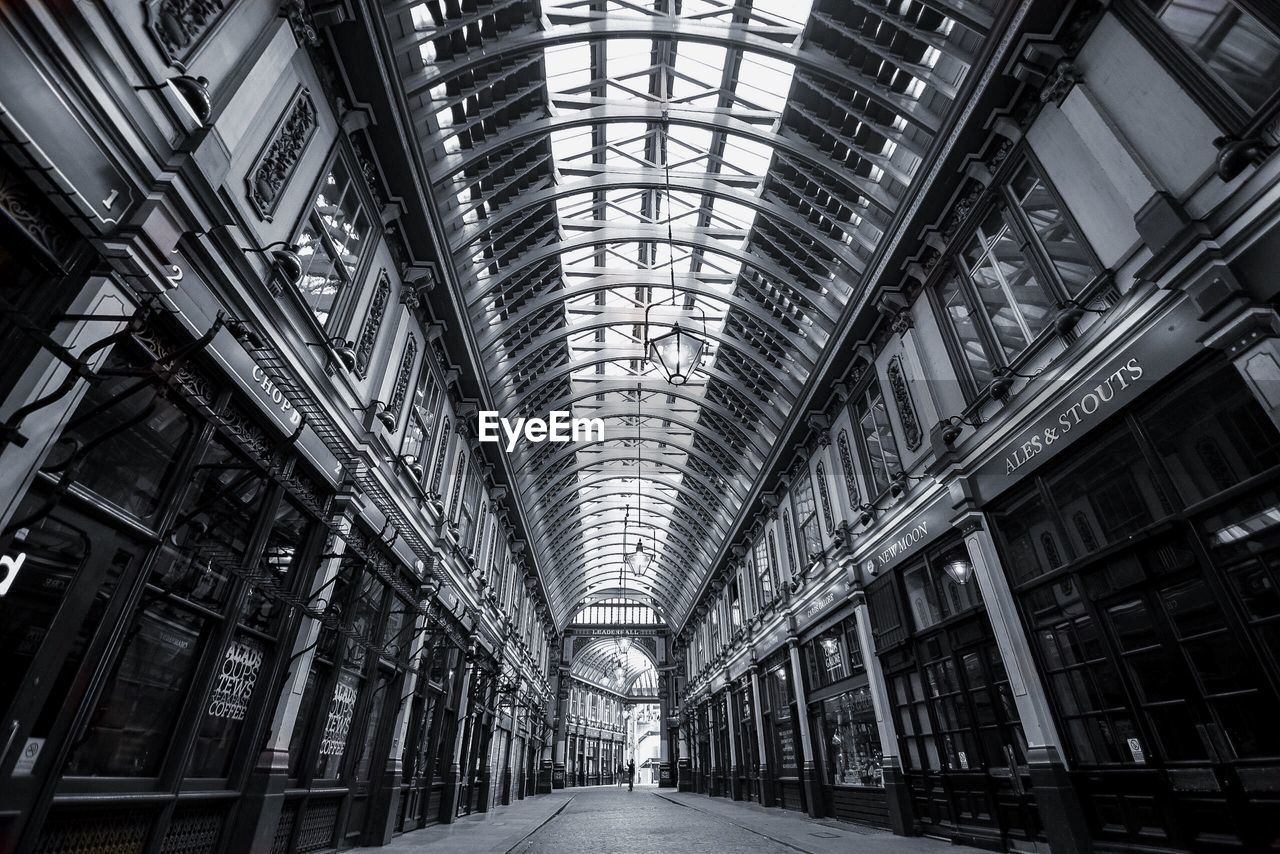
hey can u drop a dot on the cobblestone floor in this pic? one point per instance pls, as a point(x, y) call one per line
point(608, 820)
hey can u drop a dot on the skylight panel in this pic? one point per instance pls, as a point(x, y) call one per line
point(627, 58)
point(764, 82)
point(795, 12)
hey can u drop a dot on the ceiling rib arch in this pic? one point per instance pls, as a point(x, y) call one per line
point(791, 128)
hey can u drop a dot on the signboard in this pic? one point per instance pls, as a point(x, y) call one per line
point(912, 535)
point(1149, 358)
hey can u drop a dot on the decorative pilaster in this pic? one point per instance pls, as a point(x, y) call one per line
point(1056, 796)
point(808, 773)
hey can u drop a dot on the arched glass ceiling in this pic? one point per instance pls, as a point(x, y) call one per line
point(598, 663)
point(789, 132)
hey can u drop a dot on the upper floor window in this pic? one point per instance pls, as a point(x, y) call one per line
point(876, 444)
point(1023, 259)
point(424, 420)
point(1235, 42)
point(334, 236)
point(764, 570)
point(806, 509)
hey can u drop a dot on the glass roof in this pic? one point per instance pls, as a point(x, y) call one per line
point(607, 169)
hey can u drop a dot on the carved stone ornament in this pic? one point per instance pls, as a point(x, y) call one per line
point(846, 467)
point(372, 323)
point(906, 409)
point(821, 474)
point(275, 165)
point(178, 26)
point(403, 375)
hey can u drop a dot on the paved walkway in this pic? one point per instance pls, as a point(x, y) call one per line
point(609, 820)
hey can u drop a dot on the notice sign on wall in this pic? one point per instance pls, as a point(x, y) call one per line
point(339, 722)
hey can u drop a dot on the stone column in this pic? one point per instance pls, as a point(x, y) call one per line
point(896, 791)
point(1060, 808)
point(809, 772)
point(453, 783)
point(562, 733)
point(765, 792)
point(259, 812)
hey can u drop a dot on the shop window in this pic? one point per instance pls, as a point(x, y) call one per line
point(1236, 45)
point(876, 444)
point(1213, 435)
point(806, 510)
point(1023, 259)
point(130, 727)
point(834, 655)
point(932, 594)
point(854, 756)
point(333, 239)
point(125, 442)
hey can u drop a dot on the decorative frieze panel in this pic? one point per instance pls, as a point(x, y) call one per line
point(820, 472)
point(906, 409)
point(275, 166)
point(372, 324)
point(403, 375)
point(179, 26)
point(846, 466)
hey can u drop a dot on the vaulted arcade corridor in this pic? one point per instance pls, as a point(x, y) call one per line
point(579, 425)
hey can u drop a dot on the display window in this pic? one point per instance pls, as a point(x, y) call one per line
point(852, 744)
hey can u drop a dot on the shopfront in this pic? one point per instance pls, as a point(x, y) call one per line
point(1146, 563)
point(722, 763)
point(843, 724)
point(961, 745)
point(141, 660)
point(747, 773)
point(782, 734)
point(432, 722)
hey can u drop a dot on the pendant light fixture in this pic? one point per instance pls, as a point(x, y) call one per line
point(624, 645)
point(678, 353)
point(639, 559)
point(959, 568)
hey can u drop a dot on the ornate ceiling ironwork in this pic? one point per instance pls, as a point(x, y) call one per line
point(790, 131)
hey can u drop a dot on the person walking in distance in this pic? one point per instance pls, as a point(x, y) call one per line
point(621, 773)
point(631, 775)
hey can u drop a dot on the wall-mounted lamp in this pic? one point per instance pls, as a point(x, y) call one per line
point(960, 569)
point(1002, 381)
point(413, 464)
point(1069, 314)
point(954, 427)
point(192, 91)
point(284, 258)
point(866, 514)
point(901, 483)
point(345, 351)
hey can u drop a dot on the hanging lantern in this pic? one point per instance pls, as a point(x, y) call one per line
point(638, 560)
point(677, 354)
point(960, 569)
point(624, 645)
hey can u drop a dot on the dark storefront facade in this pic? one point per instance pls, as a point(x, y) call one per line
point(1144, 567)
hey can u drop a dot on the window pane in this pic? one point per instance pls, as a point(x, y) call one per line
point(130, 728)
point(1236, 46)
point(966, 330)
point(1050, 224)
point(320, 283)
point(1214, 435)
